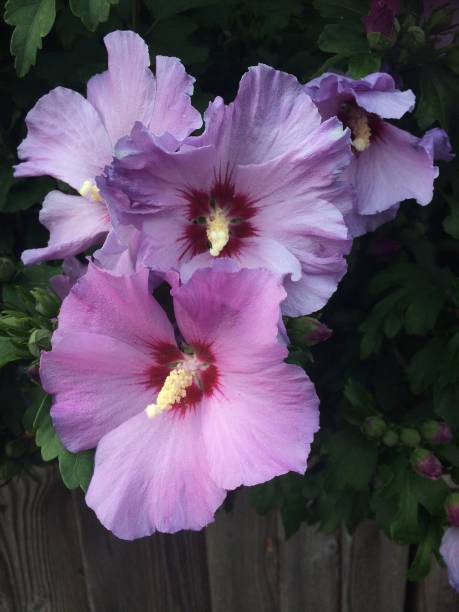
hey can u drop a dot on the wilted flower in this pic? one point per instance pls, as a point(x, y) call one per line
point(262, 186)
point(381, 17)
point(449, 550)
point(176, 425)
point(452, 509)
point(426, 464)
point(389, 165)
point(436, 432)
point(72, 138)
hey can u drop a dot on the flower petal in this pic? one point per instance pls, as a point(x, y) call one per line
point(270, 116)
point(66, 139)
point(125, 93)
point(260, 425)
point(235, 313)
point(153, 475)
point(449, 550)
point(74, 223)
point(97, 382)
point(393, 168)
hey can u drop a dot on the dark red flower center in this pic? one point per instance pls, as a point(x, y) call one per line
point(219, 220)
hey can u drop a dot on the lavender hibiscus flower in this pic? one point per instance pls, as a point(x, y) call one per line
point(263, 186)
point(449, 550)
point(176, 425)
point(72, 138)
point(389, 164)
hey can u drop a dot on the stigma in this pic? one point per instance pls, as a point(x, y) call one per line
point(361, 131)
point(90, 190)
point(173, 390)
point(217, 231)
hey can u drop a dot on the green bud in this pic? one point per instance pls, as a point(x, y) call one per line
point(415, 37)
point(7, 269)
point(15, 323)
point(308, 331)
point(390, 438)
point(46, 303)
point(436, 432)
point(39, 340)
point(410, 437)
point(375, 426)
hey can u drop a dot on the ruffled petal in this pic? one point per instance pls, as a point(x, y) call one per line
point(260, 425)
point(125, 93)
point(74, 223)
point(393, 168)
point(437, 144)
point(66, 139)
point(97, 382)
point(449, 550)
point(172, 110)
point(235, 313)
point(270, 116)
point(153, 475)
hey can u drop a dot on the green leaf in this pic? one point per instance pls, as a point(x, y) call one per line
point(421, 564)
point(8, 351)
point(76, 468)
point(406, 528)
point(364, 63)
point(91, 12)
point(343, 39)
point(353, 459)
point(33, 19)
point(439, 90)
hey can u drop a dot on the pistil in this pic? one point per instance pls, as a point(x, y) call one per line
point(217, 231)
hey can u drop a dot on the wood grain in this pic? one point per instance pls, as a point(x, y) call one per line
point(243, 559)
point(373, 571)
point(433, 594)
point(163, 573)
point(40, 560)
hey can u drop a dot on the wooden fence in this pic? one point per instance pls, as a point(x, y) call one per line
point(55, 557)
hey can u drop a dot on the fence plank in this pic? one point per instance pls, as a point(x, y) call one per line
point(433, 594)
point(243, 559)
point(40, 560)
point(310, 572)
point(162, 573)
point(374, 571)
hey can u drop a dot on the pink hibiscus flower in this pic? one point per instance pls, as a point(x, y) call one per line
point(176, 425)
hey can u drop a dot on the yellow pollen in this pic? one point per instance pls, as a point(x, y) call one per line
point(217, 231)
point(172, 391)
point(361, 131)
point(89, 190)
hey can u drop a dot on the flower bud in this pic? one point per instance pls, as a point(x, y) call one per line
point(452, 509)
point(390, 438)
point(7, 269)
point(410, 437)
point(374, 426)
point(40, 339)
point(436, 432)
point(426, 464)
point(308, 331)
point(47, 304)
point(15, 323)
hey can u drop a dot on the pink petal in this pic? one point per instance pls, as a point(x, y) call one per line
point(66, 139)
point(271, 108)
point(125, 93)
point(449, 550)
point(392, 169)
point(97, 382)
point(260, 425)
point(235, 313)
point(153, 475)
point(74, 224)
point(172, 110)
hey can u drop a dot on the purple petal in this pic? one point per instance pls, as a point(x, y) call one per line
point(125, 93)
point(262, 122)
point(392, 169)
point(437, 144)
point(153, 475)
point(74, 223)
point(72, 270)
point(449, 550)
point(260, 425)
point(66, 139)
point(362, 224)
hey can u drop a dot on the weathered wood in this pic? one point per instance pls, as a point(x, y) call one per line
point(373, 571)
point(310, 572)
point(243, 559)
point(40, 560)
point(433, 594)
point(163, 573)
